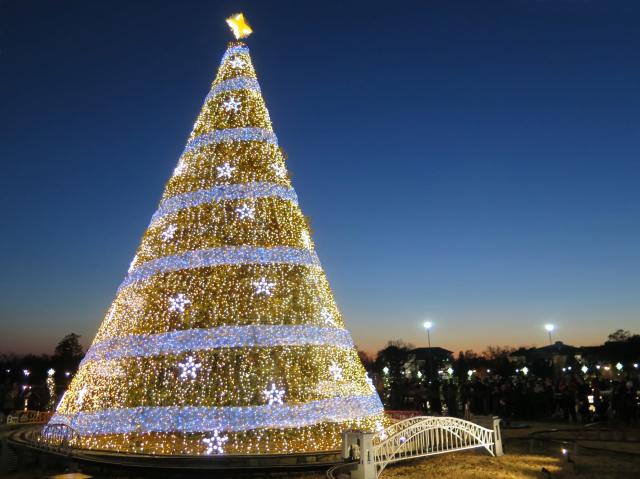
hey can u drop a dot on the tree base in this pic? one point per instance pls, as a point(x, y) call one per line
point(105, 463)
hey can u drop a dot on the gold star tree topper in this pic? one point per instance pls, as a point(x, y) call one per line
point(239, 26)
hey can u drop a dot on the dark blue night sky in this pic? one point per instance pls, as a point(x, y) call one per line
point(471, 162)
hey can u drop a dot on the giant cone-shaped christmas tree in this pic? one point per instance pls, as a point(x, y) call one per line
point(224, 337)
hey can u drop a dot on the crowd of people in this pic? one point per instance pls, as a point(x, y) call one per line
point(570, 398)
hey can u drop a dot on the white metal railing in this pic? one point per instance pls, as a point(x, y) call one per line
point(58, 437)
point(419, 437)
point(426, 436)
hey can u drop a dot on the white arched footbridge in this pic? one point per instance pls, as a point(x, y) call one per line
point(417, 437)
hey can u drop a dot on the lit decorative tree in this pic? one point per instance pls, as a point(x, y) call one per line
point(224, 337)
point(51, 388)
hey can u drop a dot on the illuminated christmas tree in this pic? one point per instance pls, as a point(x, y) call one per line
point(224, 337)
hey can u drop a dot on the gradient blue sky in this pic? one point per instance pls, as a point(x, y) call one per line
point(473, 162)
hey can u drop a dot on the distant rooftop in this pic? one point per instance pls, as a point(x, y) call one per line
point(558, 347)
point(425, 353)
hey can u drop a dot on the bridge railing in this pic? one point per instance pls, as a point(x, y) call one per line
point(418, 437)
point(397, 426)
point(58, 437)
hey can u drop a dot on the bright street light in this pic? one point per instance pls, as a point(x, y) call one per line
point(549, 327)
point(427, 325)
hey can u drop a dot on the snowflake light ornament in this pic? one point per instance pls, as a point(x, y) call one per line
point(178, 303)
point(246, 211)
point(215, 443)
point(237, 62)
point(328, 317)
point(279, 170)
point(225, 170)
point(335, 371)
point(168, 233)
point(263, 286)
point(231, 104)
point(189, 368)
point(273, 395)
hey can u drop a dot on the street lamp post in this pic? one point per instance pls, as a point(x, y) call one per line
point(549, 327)
point(427, 325)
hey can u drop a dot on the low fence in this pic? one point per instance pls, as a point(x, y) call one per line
point(28, 417)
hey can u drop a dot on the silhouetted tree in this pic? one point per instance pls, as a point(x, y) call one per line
point(68, 354)
point(394, 357)
point(498, 359)
point(69, 347)
point(366, 360)
point(498, 352)
point(618, 336)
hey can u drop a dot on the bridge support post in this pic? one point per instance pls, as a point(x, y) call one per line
point(4, 455)
point(358, 446)
point(497, 437)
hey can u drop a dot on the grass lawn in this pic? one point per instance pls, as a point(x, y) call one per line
point(519, 462)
